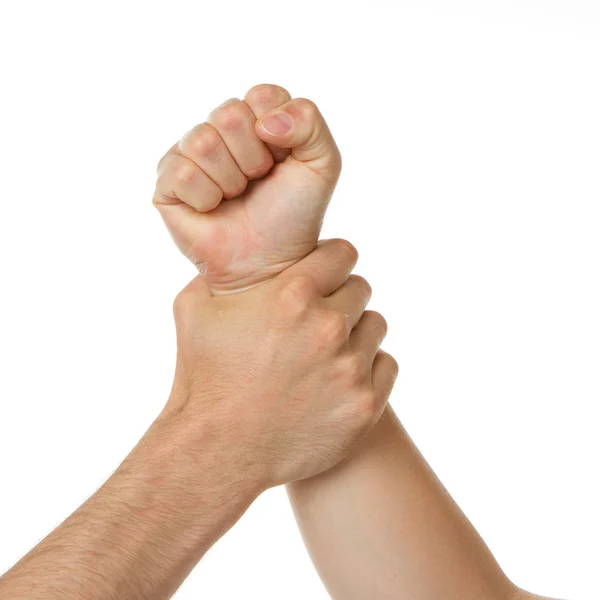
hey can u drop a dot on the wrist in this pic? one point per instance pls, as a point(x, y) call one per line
point(262, 274)
point(142, 532)
point(199, 426)
point(198, 473)
point(173, 499)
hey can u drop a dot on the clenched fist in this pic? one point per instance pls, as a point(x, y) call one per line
point(279, 381)
point(244, 194)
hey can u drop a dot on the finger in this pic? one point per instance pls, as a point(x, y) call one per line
point(368, 334)
point(329, 265)
point(383, 376)
point(235, 122)
point(181, 180)
point(351, 299)
point(262, 99)
point(299, 125)
point(205, 147)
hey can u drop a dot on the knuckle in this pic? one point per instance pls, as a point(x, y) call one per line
point(362, 282)
point(393, 366)
point(230, 116)
point(378, 321)
point(164, 162)
point(202, 141)
point(302, 285)
point(297, 293)
point(333, 326)
point(388, 364)
point(367, 403)
point(347, 248)
point(185, 173)
point(337, 162)
point(307, 108)
point(266, 94)
point(354, 368)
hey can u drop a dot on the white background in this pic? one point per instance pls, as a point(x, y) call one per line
point(471, 138)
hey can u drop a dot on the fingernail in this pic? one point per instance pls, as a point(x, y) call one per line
point(277, 124)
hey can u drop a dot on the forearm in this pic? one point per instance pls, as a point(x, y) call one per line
point(142, 532)
point(381, 525)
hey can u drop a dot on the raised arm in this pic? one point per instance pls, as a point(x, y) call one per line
point(244, 195)
point(381, 525)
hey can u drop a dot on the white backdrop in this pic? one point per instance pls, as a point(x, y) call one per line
point(470, 133)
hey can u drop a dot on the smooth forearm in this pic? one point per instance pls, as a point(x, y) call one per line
point(142, 532)
point(381, 525)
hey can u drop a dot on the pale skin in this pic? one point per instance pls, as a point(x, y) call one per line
point(244, 200)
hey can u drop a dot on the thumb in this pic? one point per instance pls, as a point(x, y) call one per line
point(329, 265)
point(299, 125)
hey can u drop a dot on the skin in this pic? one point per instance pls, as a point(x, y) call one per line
point(271, 385)
point(379, 524)
point(245, 206)
point(267, 223)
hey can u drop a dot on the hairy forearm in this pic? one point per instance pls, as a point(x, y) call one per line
point(142, 532)
point(381, 525)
